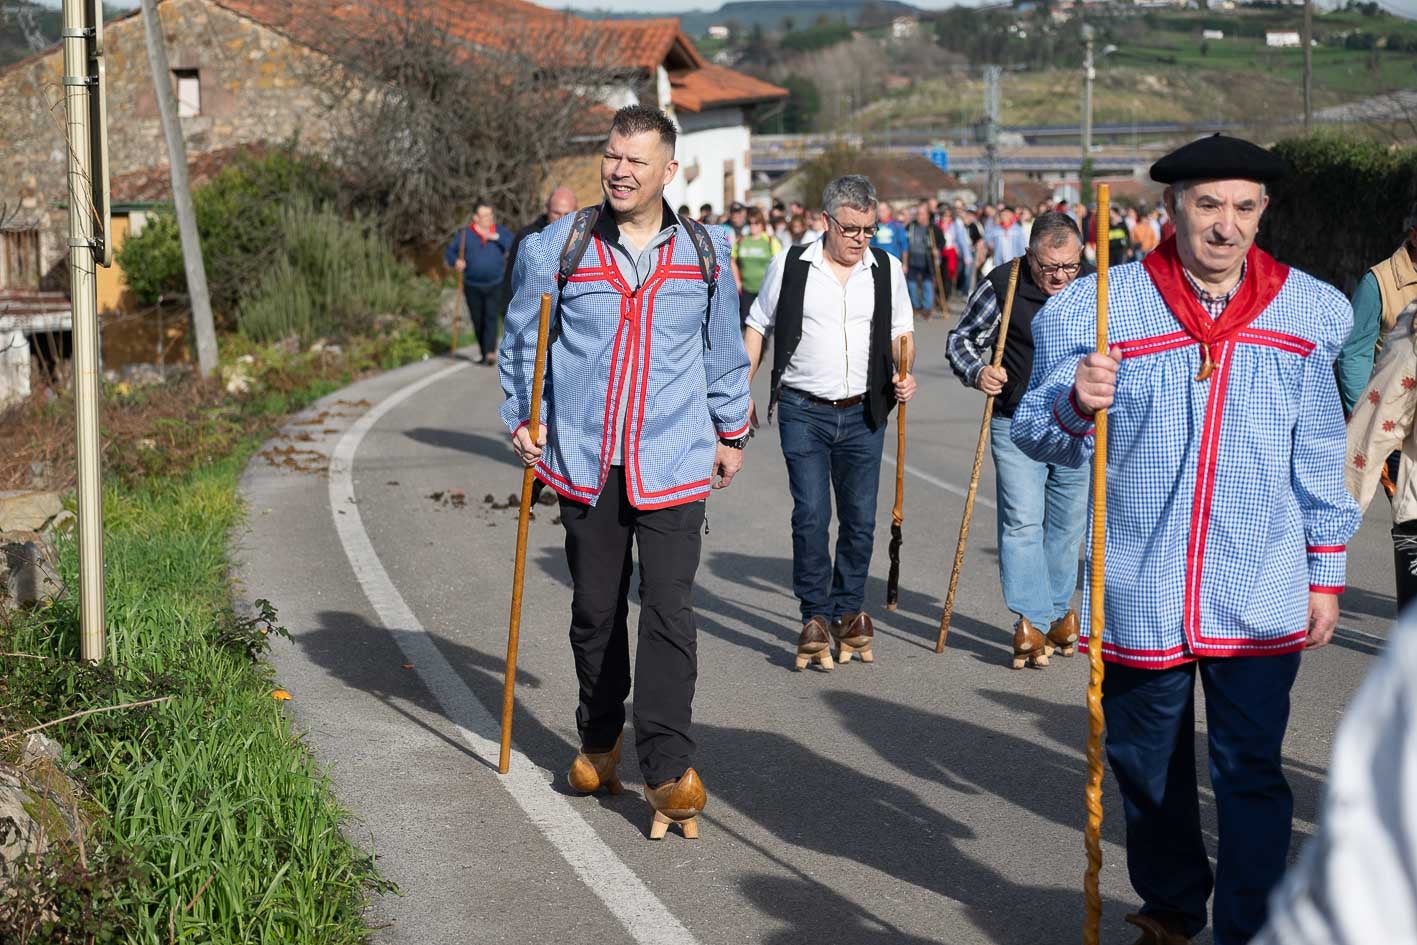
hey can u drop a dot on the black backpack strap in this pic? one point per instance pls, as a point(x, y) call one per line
point(703, 245)
point(582, 229)
point(708, 265)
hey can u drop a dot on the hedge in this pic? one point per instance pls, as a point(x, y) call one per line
point(1341, 208)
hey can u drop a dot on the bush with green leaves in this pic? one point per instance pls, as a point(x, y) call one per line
point(1340, 210)
point(152, 260)
point(239, 219)
point(334, 278)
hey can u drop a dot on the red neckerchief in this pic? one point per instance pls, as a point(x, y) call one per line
point(1264, 277)
point(485, 237)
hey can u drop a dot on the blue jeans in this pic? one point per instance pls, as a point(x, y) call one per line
point(921, 282)
point(1151, 737)
point(830, 450)
point(1042, 515)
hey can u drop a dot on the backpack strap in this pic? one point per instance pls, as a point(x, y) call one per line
point(703, 245)
point(582, 229)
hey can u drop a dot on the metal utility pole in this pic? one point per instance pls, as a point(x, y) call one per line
point(181, 192)
point(992, 78)
point(85, 119)
point(1308, 38)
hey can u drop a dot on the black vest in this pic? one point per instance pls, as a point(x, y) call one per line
point(787, 332)
point(1018, 346)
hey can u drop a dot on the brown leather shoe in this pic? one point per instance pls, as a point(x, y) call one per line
point(813, 643)
point(1157, 930)
point(854, 633)
point(592, 771)
point(677, 802)
point(1063, 634)
point(1030, 646)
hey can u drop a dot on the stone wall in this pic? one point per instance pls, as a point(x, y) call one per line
point(256, 85)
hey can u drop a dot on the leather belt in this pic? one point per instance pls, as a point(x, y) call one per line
point(843, 402)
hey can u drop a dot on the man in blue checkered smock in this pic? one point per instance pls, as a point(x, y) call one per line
point(646, 407)
point(1226, 525)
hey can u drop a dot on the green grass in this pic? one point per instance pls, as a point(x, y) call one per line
point(210, 814)
point(212, 793)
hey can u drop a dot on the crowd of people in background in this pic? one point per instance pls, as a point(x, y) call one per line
point(945, 247)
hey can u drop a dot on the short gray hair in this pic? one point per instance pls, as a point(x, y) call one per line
point(1053, 229)
point(852, 190)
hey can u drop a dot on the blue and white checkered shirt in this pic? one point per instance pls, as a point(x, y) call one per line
point(1225, 498)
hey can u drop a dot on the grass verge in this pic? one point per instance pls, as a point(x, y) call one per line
point(210, 821)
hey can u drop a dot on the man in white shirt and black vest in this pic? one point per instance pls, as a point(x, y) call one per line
point(836, 309)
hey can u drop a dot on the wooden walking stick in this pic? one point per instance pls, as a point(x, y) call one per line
point(523, 519)
point(898, 512)
point(939, 279)
point(457, 301)
point(1091, 928)
point(978, 462)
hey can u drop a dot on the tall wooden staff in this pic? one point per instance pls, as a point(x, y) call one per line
point(457, 301)
point(939, 279)
point(523, 519)
point(978, 462)
point(902, 362)
point(1091, 928)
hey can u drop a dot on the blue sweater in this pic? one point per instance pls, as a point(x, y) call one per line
point(486, 260)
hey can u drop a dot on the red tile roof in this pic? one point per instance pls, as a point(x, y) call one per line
point(491, 24)
point(712, 86)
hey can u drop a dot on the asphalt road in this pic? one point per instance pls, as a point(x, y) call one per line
point(920, 799)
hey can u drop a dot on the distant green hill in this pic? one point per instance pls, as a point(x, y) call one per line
point(27, 27)
point(771, 14)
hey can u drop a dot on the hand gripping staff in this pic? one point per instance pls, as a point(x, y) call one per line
point(902, 363)
point(978, 462)
point(523, 519)
point(1093, 796)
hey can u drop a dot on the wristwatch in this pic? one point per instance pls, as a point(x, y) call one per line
point(737, 443)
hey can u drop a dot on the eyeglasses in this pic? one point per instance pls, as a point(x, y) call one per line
point(853, 232)
point(1062, 269)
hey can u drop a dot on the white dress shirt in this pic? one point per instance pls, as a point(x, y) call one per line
point(831, 359)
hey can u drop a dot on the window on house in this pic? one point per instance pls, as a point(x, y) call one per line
point(189, 93)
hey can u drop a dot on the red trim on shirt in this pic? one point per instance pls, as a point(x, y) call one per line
point(564, 486)
point(1326, 589)
point(608, 433)
point(1177, 656)
point(1277, 339)
point(1154, 345)
point(735, 434)
point(663, 273)
point(1204, 497)
point(1325, 549)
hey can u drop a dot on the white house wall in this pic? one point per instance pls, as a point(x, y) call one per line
point(708, 142)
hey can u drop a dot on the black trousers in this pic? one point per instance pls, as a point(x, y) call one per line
point(484, 311)
point(598, 543)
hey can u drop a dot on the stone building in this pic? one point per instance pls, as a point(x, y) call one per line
point(242, 70)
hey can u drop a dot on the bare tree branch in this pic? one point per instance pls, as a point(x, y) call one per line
point(440, 120)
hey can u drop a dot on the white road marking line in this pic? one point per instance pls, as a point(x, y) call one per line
point(648, 920)
point(949, 487)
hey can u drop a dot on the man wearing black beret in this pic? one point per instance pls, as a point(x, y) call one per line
point(1226, 525)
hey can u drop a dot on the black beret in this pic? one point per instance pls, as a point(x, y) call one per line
point(1219, 157)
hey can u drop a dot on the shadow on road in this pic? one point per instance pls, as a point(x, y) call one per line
point(840, 811)
point(916, 620)
point(462, 441)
